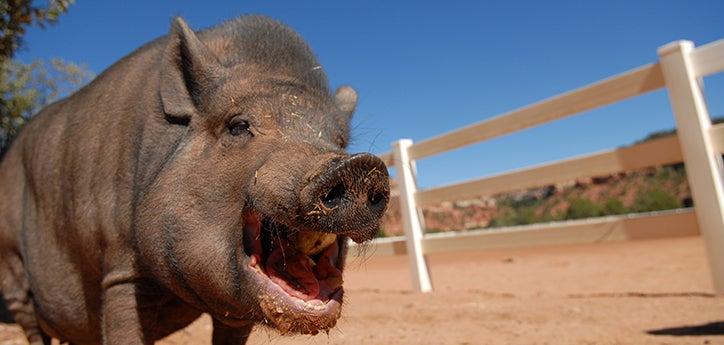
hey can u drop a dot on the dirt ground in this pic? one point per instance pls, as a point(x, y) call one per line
point(645, 292)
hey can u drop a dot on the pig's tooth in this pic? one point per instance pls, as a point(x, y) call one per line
point(312, 242)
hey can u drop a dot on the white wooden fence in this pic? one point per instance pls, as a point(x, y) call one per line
point(698, 144)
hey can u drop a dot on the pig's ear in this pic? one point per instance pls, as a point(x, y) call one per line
point(346, 100)
point(187, 66)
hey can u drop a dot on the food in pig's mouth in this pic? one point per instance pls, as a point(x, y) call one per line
point(303, 264)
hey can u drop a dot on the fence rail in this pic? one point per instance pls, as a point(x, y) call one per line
point(654, 153)
point(698, 144)
point(717, 136)
point(627, 85)
point(708, 59)
point(662, 224)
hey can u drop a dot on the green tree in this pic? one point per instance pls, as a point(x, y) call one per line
point(17, 15)
point(26, 88)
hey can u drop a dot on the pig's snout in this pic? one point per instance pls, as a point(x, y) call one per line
point(349, 196)
point(364, 168)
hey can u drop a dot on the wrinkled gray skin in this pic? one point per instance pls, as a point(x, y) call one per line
point(122, 206)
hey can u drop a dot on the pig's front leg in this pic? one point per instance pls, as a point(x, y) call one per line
point(224, 335)
point(122, 323)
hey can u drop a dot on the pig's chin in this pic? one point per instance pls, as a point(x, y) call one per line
point(300, 285)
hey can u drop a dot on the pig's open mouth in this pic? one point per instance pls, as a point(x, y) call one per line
point(299, 273)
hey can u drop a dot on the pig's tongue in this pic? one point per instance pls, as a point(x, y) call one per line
point(293, 272)
point(299, 276)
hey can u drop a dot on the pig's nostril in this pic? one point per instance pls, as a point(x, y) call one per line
point(376, 199)
point(335, 196)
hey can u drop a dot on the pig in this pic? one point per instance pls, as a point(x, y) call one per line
point(206, 172)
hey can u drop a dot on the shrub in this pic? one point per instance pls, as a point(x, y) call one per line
point(674, 173)
point(381, 233)
point(655, 199)
point(583, 208)
point(614, 206)
point(515, 216)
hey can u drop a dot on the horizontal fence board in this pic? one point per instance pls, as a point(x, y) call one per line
point(708, 59)
point(388, 158)
point(387, 246)
point(652, 153)
point(596, 230)
point(614, 89)
point(673, 223)
point(717, 137)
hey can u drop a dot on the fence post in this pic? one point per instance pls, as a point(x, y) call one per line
point(703, 163)
point(410, 217)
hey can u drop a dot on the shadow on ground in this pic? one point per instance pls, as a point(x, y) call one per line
point(712, 328)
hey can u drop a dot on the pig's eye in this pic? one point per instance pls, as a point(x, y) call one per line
point(238, 126)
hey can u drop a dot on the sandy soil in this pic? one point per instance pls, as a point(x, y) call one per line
point(647, 292)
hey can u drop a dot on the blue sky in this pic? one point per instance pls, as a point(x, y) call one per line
point(423, 68)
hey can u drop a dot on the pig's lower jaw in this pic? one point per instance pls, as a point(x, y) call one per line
point(300, 285)
point(292, 315)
